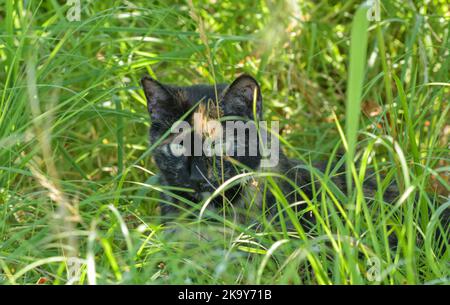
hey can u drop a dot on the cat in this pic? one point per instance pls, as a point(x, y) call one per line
point(242, 98)
point(203, 174)
point(166, 104)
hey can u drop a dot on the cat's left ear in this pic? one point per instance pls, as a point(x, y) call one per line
point(161, 103)
point(242, 96)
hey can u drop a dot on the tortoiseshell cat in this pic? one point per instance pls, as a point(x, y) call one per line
point(167, 103)
point(203, 174)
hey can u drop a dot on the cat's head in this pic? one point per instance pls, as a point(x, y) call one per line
point(239, 102)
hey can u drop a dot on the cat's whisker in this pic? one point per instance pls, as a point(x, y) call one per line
point(204, 177)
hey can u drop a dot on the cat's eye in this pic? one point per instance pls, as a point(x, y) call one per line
point(177, 150)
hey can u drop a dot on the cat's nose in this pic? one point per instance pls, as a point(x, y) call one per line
point(197, 177)
point(198, 172)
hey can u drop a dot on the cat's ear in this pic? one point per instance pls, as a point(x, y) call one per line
point(240, 97)
point(160, 100)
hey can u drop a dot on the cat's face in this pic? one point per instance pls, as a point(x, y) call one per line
point(197, 170)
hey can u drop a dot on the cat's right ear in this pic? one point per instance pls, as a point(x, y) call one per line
point(159, 98)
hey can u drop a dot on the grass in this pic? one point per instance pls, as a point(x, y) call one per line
point(79, 190)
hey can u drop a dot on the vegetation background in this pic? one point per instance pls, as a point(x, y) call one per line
point(79, 190)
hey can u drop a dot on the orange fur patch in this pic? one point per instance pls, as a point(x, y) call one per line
point(203, 117)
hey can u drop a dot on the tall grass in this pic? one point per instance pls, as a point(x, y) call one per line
point(79, 191)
